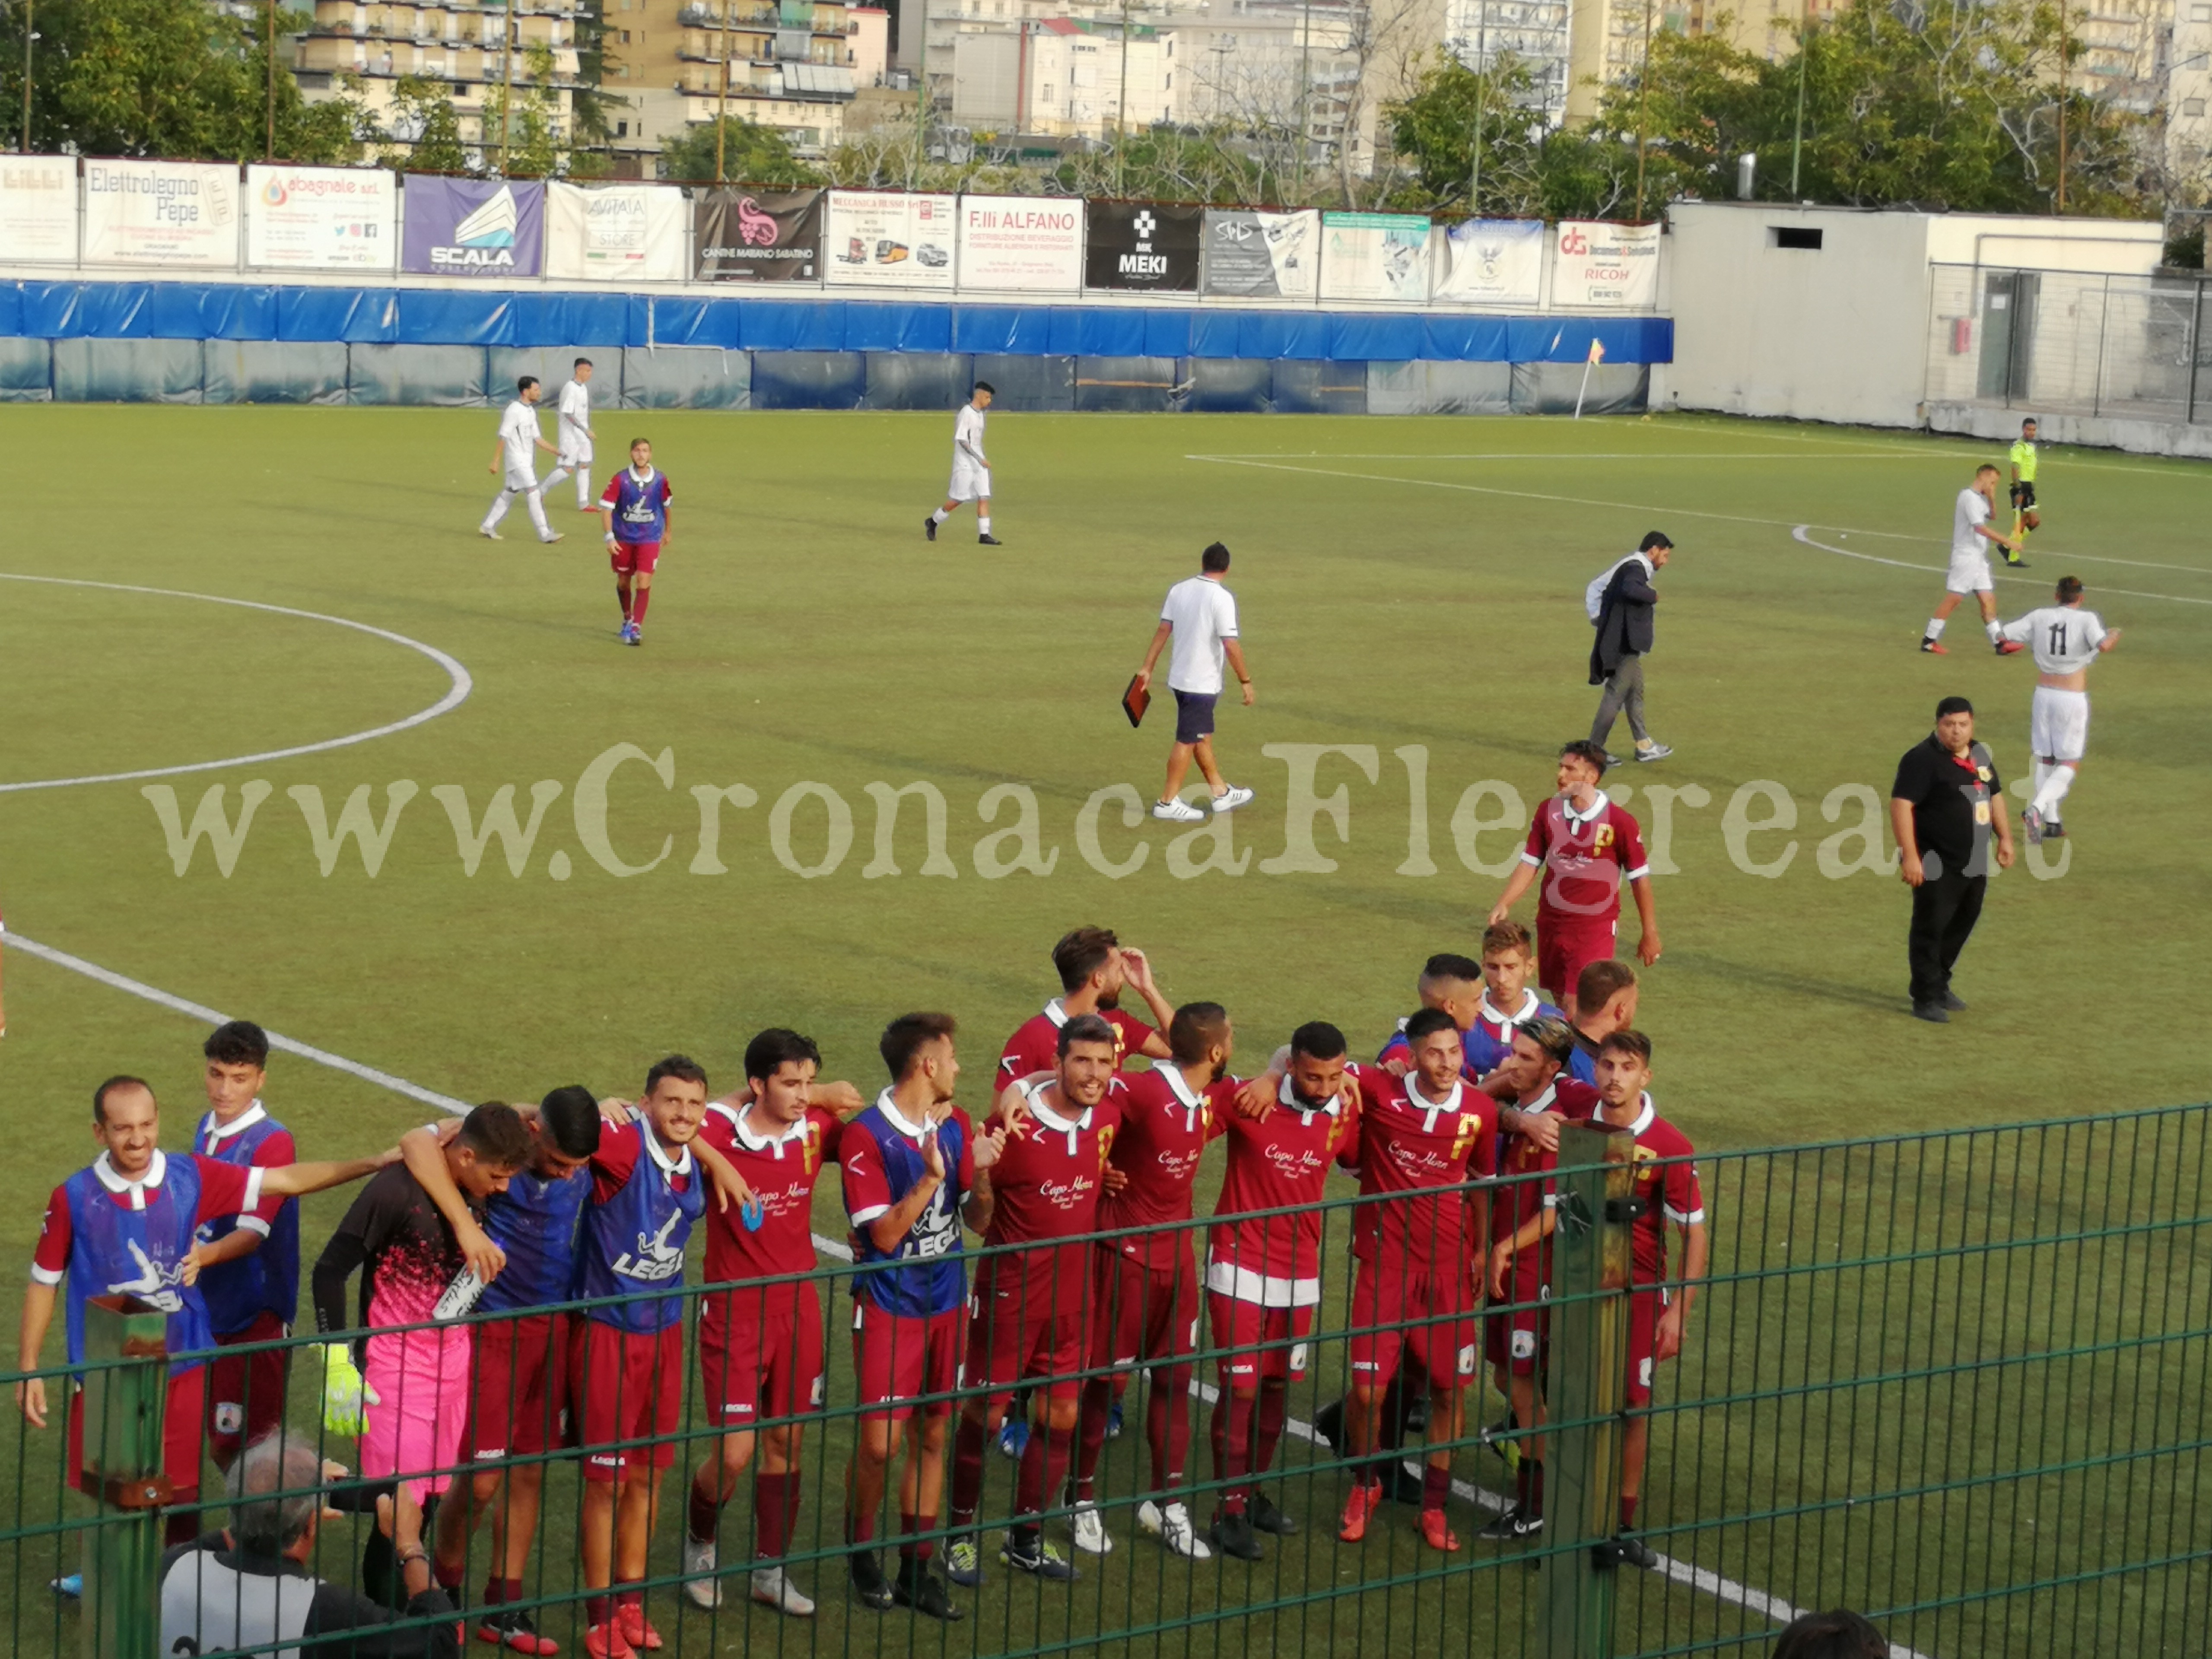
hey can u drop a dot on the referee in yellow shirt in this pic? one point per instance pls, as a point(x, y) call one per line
point(2024, 515)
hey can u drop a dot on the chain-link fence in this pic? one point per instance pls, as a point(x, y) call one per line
point(2064, 343)
point(1958, 1380)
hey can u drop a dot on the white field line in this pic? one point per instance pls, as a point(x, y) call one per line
point(456, 693)
point(1682, 1572)
point(1799, 532)
point(1680, 513)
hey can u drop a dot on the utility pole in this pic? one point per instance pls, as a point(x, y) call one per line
point(1642, 108)
point(2062, 105)
point(269, 46)
point(1122, 103)
point(1481, 91)
point(511, 35)
point(920, 96)
point(722, 112)
point(30, 12)
point(1797, 137)
point(1306, 90)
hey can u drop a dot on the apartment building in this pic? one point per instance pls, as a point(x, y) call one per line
point(462, 45)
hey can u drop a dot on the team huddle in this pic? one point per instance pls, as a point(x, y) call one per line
point(511, 1213)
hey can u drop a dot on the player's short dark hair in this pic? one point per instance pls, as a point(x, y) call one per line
point(1214, 560)
point(2069, 589)
point(1427, 1023)
point(1551, 1033)
point(985, 386)
point(237, 1042)
point(635, 442)
point(525, 384)
point(2027, 423)
point(1838, 1634)
point(1601, 981)
point(775, 1047)
point(1627, 1041)
point(1318, 1039)
point(1584, 749)
point(907, 1036)
point(1653, 538)
point(1952, 706)
point(570, 1118)
point(1081, 952)
point(1508, 935)
point(1196, 1027)
point(682, 1067)
point(495, 1133)
point(581, 363)
point(1449, 965)
point(1990, 467)
point(121, 1081)
point(1087, 1028)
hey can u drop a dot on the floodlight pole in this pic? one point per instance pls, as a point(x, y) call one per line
point(1643, 108)
point(269, 46)
point(1306, 90)
point(512, 34)
point(2061, 106)
point(1797, 137)
point(722, 109)
point(1481, 71)
point(1121, 105)
point(30, 34)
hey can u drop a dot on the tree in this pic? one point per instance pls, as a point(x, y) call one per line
point(426, 132)
point(752, 153)
point(1175, 164)
point(1527, 172)
point(589, 100)
point(172, 78)
point(524, 138)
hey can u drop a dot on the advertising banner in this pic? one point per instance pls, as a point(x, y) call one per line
point(615, 233)
point(1254, 255)
point(472, 227)
point(1375, 256)
point(888, 238)
point(757, 235)
point(38, 208)
point(1490, 262)
point(1151, 246)
point(1595, 262)
point(322, 218)
point(162, 213)
point(1021, 244)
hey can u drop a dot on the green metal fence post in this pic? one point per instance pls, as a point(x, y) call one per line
point(123, 1407)
point(1588, 1377)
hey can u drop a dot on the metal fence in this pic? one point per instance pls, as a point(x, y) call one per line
point(2128, 348)
point(1957, 1379)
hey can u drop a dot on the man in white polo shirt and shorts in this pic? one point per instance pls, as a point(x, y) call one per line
point(1201, 615)
point(1971, 536)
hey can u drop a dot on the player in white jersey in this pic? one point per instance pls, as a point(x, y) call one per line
point(2066, 640)
point(1971, 536)
point(971, 471)
point(572, 427)
point(520, 440)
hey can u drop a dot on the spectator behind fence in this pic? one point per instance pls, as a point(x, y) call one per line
point(249, 1587)
point(1839, 1634)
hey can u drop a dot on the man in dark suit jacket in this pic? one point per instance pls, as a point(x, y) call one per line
point(1621, 610)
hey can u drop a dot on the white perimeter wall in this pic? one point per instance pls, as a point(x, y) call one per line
point(1840, 333)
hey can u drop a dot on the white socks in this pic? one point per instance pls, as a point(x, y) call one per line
point(1994, 629)
point(1935, 628)
point(553, 477)
point(2052, 790)
point(498, 511)
point(535, 500)
point(983, 524)
point(583, 491)
point(940, 516)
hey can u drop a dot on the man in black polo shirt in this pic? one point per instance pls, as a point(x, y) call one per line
point(1946, 802)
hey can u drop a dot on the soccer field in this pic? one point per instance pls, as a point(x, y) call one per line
point(1411, 593)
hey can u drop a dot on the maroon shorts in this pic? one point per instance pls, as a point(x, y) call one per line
point(629, 1387)
point(1140, 1312)
point(246, 1392)
point(631, 558)
point(1245, 1326)
point(1644, 1308)
point(1566, 946)
point(518, 1385)
point(896, 1360)
point(760, 1354)
point(1441, 1337)
point(1519, 1338)
point(1028, 1325)
point(183, 1426)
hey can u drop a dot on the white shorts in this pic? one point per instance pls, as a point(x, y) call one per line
point(520, 480)
point(1969, 573)
point(576, 457)
point(969, 482)
point(2057, 724)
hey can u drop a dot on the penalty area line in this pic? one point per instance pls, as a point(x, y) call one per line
point(1713, 1583)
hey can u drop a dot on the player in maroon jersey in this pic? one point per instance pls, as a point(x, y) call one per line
point(1428, 1132)
point(1666, 1194)
point(760, 1347)
point(1094, 969)
point(1263, 1272)
point(1514, 1335)
point(1588, 845)
point(1144, 1287)
point(1030, 1314)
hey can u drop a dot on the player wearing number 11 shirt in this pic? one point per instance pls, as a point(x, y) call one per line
point(2066, 639)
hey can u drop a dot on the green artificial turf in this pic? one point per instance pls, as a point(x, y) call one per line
point(1410, 591)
